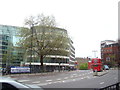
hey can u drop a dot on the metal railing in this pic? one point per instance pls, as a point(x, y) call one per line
point(112, 87)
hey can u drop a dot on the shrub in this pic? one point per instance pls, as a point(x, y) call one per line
point(83, 66)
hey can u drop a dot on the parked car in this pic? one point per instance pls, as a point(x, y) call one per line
point(106, 67)
point(8, 83)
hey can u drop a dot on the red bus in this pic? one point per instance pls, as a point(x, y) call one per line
point(96, 65)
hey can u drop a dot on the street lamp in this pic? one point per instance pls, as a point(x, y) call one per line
point(31, 28)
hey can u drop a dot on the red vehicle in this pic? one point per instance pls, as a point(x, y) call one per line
point(96, 64)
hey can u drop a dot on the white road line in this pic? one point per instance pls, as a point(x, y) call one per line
point(59, 79)
point(74, 74)
point(42, 84)
point(57, 82)
point(50, 83)
point(63, 81)
point(81, 78)
point(66, 78)
point(48, 80)
point(88, 77)
point(23, 80)
point(73, 80)
point(84, 77)
point(102, 82)
point(36, 82)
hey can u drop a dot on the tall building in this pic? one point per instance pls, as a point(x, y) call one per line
point(8, 51)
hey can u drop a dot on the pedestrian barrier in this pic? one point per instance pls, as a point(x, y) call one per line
point(112, 87)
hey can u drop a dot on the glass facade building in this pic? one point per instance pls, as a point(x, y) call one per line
point(8, 40)
point(13, 55)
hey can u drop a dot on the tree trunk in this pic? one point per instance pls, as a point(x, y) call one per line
point(41, 61)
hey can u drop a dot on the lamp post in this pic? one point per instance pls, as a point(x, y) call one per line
point(31, 45)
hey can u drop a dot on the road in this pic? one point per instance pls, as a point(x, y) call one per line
point(73, 79)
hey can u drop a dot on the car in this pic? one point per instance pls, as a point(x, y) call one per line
point(7, 83)
point(106, 67)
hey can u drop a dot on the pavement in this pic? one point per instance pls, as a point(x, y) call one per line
point(36, 74)
point(100, 73)
point(55, 73)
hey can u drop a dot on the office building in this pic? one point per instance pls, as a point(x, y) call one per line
point(11, 54)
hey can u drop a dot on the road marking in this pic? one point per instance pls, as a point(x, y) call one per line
point(73, 80)
point(66, 78)
point(82, 78)
point(36, 82)
point(48, 80)
point(63, 81)
point(57, 82)
point(50, 83)
point(88, 77)
point(42, 84)
point(23, 80)
point(102, 82)
point(59, 79)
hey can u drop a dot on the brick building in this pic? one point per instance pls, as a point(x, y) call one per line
point(82, 60)
point(110, 52)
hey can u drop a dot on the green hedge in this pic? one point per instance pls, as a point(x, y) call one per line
point(83, 66)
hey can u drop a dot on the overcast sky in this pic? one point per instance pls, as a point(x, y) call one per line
point(88, 22)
